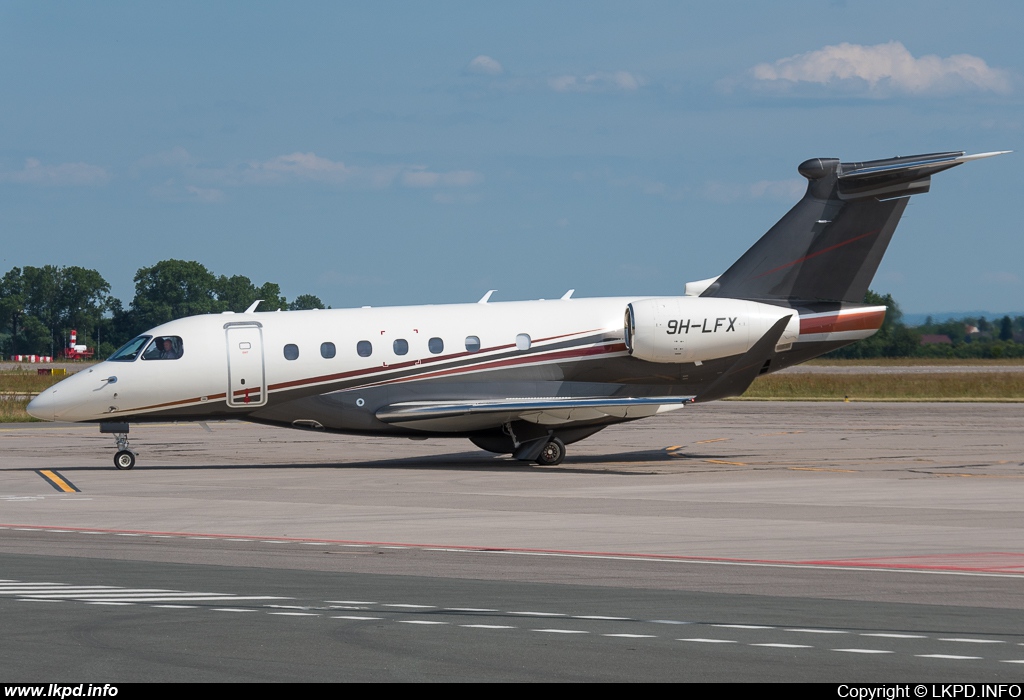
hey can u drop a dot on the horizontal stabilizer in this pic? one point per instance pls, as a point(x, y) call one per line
point(738, 378)
point(456, 416)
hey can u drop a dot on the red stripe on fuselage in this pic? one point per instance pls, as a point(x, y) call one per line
point(842, 321)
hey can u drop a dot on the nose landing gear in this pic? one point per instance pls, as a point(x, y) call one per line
point(125, 458)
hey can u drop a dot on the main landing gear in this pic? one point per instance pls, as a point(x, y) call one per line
point(552, 453)
point(125, 458)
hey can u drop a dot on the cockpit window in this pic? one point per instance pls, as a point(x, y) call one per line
point(130, 350)
point(164, 347)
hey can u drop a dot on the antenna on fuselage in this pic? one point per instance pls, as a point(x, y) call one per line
point(568, 295)
point(252, 306)
point(485, 297)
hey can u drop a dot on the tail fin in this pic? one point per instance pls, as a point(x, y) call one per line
point(828, 247)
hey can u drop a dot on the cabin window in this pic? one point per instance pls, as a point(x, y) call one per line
point(291, 351)
point(164, 347)
point(523, 341)
point(435, 345)
point(401, 346)
point(327, 350)
point(364, 348)
point(472, 343)
point(130, 350)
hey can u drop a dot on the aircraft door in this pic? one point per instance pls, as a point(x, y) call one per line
point(246, 371)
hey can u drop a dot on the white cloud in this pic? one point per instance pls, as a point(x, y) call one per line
point(35, 173)
point(485, 65)
point(309, 167)
point(881, 69)
point(596, 82)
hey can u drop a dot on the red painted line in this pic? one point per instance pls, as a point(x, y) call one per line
point(850, 564)
point(816, 254)
point(849, 321)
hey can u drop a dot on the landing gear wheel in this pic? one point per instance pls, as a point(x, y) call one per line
point(552, 454)
point(124, 459)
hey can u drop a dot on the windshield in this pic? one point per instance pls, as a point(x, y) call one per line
point(130, 350)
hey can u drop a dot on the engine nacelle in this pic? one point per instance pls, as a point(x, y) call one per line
point(695, 329)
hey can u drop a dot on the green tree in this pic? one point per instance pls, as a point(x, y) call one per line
point(304, 302)
point(1006, 329)
point(172, 289)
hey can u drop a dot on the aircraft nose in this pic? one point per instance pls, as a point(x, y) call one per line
point(43, 406)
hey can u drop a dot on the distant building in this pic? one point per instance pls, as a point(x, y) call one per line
point(936, 340)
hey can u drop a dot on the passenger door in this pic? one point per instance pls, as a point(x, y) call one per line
point(246, 371)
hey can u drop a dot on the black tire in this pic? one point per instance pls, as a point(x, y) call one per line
point(552, 454)
point(124, 459)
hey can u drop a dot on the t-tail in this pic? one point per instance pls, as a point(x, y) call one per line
point(828, 247)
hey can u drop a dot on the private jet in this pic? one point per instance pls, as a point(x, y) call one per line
point(524, 378)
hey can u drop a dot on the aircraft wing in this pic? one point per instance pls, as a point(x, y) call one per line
point(456, 416)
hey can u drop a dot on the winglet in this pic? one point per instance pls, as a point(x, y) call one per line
point(252, 306)
point(568, 295)
point(485, 297)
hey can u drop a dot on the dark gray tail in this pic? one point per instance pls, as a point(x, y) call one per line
point(828, 247)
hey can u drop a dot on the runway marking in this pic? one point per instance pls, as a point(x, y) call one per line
point(892, 635)
point(490, 627)
point(422, 622)
point(673, 448)
point(632, 636)
point(747, 627)
point(105, 602)
point(670, 622)
point(704, 442)
point(779, 645)
point(408, 605)
point(176, 607)
point(812, 631)
point(865, 651)
point(537, 614)
point(1013, 661)
point(352, 602)
point(354, 617)
point(708, 641)
point(559, 631)
point(971, 641)
point(58, 481)
point(722, 461)
point(600, 617)
point(295, 614)
point(239, 610)
point(472, 610)
point(945, 656)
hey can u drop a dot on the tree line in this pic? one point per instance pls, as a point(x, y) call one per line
point(40, 305)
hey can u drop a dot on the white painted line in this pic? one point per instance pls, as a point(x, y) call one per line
point(409, 605)
point(162, 537)
point(557, 631)
point(1013, 661)
point(394, 546)
point(353, 617)
point(233, 610)
point(670, 622)
point(537, 614)
point(193, 537)
point(128, 534)
point(315, 544)
point(893, 635)
point(632, 636)
point(176, 607)
point(600, 617)
point(275, 541)
point(747, 627)
point(971, 641)
point(195, 599)
point(422, 622)
point(106, 602)
point(354, 545)
point(944, 656)
point(490, 627)
point(352, 602)
point(295, 614)
point(708, 641)
point(778, 645)
point(474, 610)
point(814, 631)
point(238, 539)
point(864, 651)
point(39, 600)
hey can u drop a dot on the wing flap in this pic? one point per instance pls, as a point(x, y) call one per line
point(455, 416)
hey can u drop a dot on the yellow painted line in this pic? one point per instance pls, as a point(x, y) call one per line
point(57, 481)
point(722, 461)
point(702, 442)
point(673, 448)
point(985, 476)
point(823, 469)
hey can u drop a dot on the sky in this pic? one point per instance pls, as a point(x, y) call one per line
point(392, 153)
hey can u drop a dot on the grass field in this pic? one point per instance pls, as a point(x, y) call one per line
point(18, 386)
